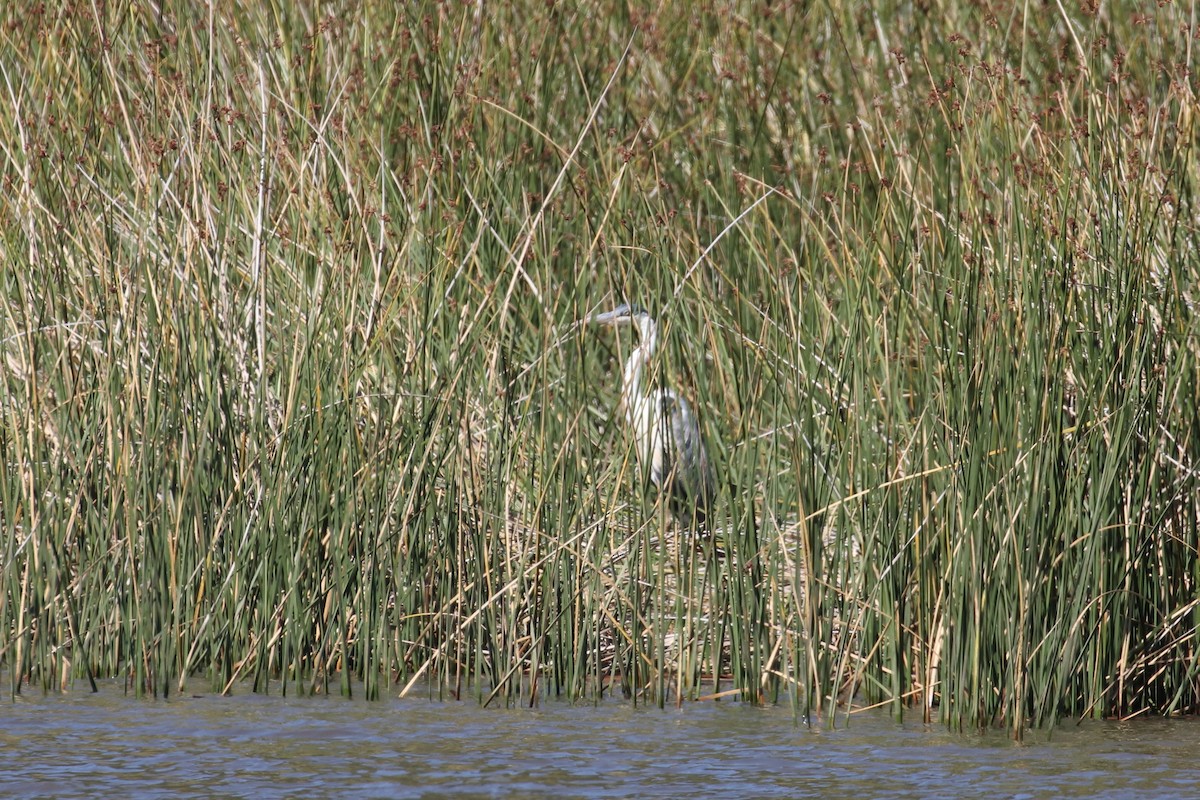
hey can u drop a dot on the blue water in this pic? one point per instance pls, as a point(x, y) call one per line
point(112, 745)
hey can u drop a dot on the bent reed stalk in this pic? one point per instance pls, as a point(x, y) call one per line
point(292, 392)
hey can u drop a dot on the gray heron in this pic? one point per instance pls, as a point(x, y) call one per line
point(666, 435)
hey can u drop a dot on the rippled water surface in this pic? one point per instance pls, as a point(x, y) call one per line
point(112, 745)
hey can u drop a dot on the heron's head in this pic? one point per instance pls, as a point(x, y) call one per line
point(630, 314)
point(624, 314)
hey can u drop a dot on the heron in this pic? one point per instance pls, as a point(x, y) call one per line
point(666, 436)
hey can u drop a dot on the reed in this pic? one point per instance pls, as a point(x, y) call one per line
point(293, 389)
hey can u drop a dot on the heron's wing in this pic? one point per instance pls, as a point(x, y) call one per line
point(685, 461)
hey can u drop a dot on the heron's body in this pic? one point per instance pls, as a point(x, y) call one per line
point(668, 442)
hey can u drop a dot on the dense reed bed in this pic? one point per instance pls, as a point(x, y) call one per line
point(293, 387)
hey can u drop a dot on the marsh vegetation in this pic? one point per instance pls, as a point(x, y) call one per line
point(293, 388)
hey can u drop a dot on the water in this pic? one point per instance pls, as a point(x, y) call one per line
point(112, 745)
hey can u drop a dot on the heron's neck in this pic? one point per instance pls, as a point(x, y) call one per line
point(633, 384)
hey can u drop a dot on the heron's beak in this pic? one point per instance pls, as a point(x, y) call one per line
point(617, 316)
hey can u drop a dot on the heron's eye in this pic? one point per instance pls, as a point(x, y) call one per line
point(668, 404)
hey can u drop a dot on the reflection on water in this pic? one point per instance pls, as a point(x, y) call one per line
point(108, 744)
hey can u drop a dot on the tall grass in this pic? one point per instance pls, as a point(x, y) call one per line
point(293, 388)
